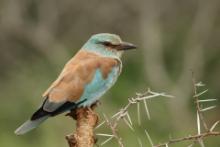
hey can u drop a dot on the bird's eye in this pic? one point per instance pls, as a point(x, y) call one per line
point(106, 43)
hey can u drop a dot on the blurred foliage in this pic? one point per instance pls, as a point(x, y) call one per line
point(174, 37)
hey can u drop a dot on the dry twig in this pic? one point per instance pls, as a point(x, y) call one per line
point(189, 138)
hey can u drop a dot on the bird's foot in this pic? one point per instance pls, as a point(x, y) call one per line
point(72, 114)
point(92, 107)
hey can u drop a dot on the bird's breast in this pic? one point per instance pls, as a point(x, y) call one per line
point(98, 86)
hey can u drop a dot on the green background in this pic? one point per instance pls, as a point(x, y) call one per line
point(174, 37)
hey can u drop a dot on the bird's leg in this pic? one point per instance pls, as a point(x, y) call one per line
point(91, 108)
point(72, 114)
point(98, 103)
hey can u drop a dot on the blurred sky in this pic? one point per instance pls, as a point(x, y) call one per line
point(174, 38)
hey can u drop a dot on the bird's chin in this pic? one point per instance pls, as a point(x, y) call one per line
point(120, 53)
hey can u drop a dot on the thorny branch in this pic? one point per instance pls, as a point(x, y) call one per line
point(189, 138)
point(123, 114)
point(114, 132)
point(198, 109)
point(200, 118)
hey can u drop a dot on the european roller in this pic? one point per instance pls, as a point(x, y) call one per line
point(84, 79)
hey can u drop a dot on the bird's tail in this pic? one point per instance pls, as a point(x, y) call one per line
point(29, 125)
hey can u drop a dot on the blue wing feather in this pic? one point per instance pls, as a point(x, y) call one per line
point(98, 86)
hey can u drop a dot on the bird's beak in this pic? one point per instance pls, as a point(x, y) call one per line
point(126, 46)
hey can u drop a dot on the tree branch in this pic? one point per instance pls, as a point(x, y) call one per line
point(86, 120)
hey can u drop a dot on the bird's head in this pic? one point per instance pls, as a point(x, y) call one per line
point(106, 44)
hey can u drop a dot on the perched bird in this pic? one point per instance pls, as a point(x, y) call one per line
point(83, 80)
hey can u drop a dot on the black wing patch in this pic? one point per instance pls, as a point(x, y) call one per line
point(65, 107)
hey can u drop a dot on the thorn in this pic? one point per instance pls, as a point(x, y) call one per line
point(149, 138)
point(198, 122)
point(138, 113)
point(208, 108)
point(146, 109)
point(201, 142)
point(106, 141)
point(201, 93)
point(129, 118)
point(139, 142)
point(106, 135)
point(214, 125)
point(132, 101)
point(116, 114)
point(127, 123)
point(199, 84)
point(207, 100)
point(103, 122)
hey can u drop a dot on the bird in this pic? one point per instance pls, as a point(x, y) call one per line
point(84, 79)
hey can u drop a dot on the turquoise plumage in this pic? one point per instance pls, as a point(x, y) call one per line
point(98, 86)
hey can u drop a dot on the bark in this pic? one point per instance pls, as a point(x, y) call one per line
point(86, 120)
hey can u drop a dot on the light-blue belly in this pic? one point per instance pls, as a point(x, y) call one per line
point(94, 90)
